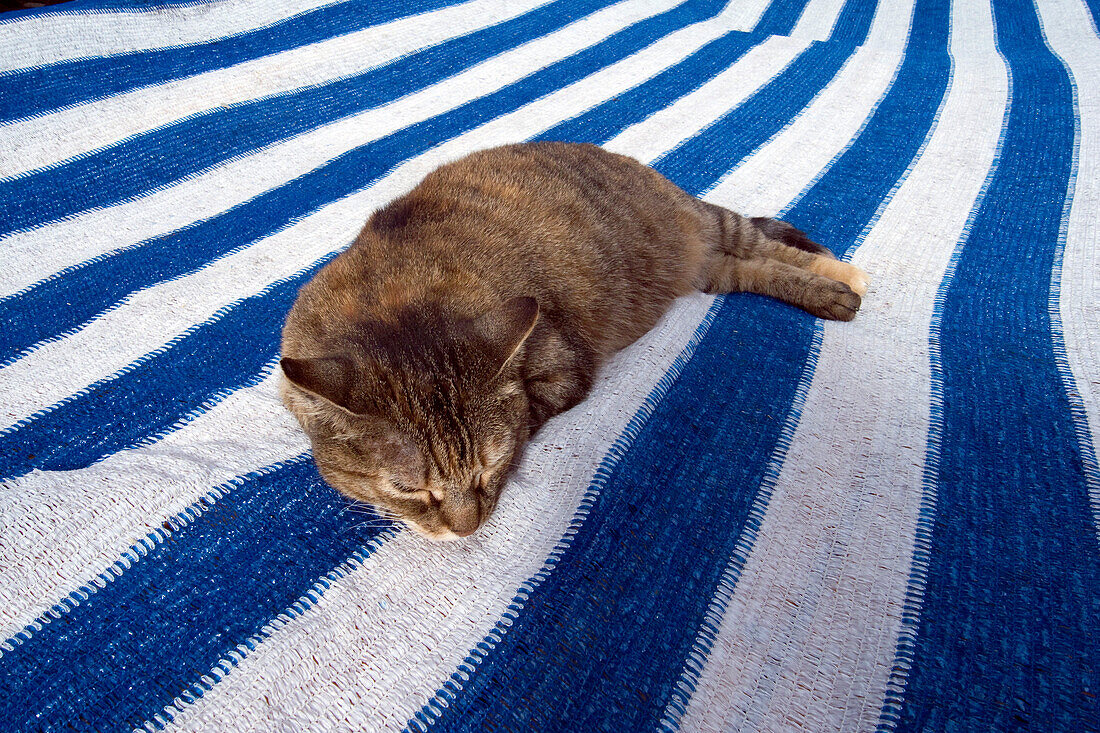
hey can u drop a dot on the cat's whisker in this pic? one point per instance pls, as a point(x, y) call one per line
point(359, 526)
point(361, 510)
point(369, 510)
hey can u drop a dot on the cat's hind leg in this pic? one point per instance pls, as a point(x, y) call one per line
point(772, 257)
point(822, 296)
point(738, 236)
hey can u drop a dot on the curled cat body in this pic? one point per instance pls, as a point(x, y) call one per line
point(482, 303)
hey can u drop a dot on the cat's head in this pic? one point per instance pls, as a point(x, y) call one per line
point(424, 418)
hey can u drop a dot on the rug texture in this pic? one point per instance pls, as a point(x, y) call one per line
point(757, 521)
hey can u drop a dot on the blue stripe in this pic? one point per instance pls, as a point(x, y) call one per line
point(603, 121)
point(695, 466)
point(647, 548)
point(1094, 8)
point(147, 689)
point(234, 349)
point(891, 137)
point(853, 23)
point(62, 303)
point(1009, 630)
point(173, 384)
point(87, 7)
point(636, 104)
point(888, 143)
point(778, 18)
point(36, 91)
point(749, 125)
point(737, 134)
point(194, 592)
point(159, 157)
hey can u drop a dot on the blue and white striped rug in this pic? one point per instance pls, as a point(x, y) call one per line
point(757, 522)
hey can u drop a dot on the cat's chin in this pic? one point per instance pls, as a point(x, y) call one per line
point(438, 537)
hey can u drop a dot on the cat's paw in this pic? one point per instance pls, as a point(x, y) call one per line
point(845, 272)
point(835, 301)
point(857, 280)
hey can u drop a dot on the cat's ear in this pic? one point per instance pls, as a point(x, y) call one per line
point(506, 327)
point(328, 377)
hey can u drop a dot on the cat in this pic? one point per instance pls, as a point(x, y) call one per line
point(482, 303)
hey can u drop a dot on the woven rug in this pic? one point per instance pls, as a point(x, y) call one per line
point(757, 521)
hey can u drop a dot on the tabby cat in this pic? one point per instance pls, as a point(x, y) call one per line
point(483, 302)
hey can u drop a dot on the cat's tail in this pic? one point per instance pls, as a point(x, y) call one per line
point(788, 235)
point(742, 236)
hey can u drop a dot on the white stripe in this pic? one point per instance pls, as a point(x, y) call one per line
point(808, 639)
point(831, 121)
point(111, 505)
point(386, 640)
point(149, 318)
point(693, 112)
point(37, 253)
point(818, 19)
point(744, 15)
point(61, 529)
point(46, 140)
point(37, 40)
point(1070, 32)
point(389, 639)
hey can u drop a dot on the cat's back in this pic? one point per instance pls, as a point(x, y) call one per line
point(595, 237)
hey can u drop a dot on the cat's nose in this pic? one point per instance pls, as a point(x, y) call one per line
point(466, 523)
point(462, 513)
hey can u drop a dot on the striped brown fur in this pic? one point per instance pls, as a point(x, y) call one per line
point(482, 303)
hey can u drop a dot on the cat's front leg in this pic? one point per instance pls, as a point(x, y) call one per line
point(558, 375)
point(552, 395)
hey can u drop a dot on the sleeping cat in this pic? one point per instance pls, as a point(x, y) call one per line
point(483, 302)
